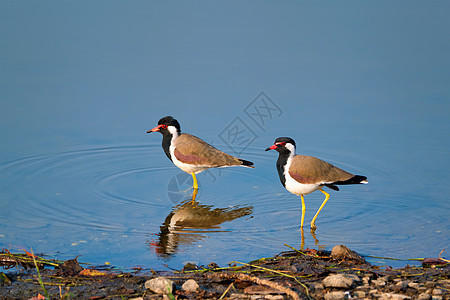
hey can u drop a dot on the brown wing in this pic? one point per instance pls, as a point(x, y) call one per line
point(190, 149)
point(308, 169)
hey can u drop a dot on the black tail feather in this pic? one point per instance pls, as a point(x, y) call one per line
point(357, 179)
point(246, 163)
point(354, 180)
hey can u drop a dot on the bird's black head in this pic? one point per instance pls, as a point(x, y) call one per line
point(283, 145)
point(167, 125)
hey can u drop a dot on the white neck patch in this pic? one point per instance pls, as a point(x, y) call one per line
point(291, 149)
point(173, 131)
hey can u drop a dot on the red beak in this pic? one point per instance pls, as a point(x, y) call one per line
point(273, 147)
point(157, 128)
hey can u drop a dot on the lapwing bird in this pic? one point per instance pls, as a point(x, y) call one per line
point(302, 174)
point(191, 154)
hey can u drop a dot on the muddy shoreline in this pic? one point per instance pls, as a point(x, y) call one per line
point(308, 274)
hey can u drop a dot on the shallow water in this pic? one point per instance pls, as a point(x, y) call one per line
point(79, 175)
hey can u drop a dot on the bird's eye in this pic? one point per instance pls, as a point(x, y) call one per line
point(281, 144)
point(163, 126)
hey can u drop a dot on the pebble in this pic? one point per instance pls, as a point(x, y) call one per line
point(424, 296)
point(391, 296)
point(336, 295)
point(159, 285)
point(359, 294)
point(402, 284)
point(340, 252)
point(379, 282)
point(190, 286)
point(340, 280)
point(437, 292)
point(414, 285)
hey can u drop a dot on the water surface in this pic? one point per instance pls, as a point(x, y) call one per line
point(360, 85)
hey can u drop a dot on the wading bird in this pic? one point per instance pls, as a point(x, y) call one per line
point(302, 174)
point(191, 154)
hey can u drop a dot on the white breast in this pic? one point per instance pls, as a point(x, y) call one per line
point(184, 167)
point(293, 185)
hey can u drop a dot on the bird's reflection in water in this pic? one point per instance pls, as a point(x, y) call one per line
point(314, 236)
point(188, 220)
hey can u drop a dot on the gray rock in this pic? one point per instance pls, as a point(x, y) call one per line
point(340, 280)
point(336, 295)
point(159, 285)
point(190, 286)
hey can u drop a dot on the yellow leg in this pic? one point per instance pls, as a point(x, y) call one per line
point(327, 196)
point(195, 185)
point(303, 211)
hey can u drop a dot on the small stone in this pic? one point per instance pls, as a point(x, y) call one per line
point(159, 285)
point(414, 285)
point(190, 286)
point(190, 267)
point(430, 284)
point(424, 296)
point(379, 282)
point(436, 297)
point(437, 292)
point(402, 284)
point(359, 294)
point(340, 280)
point(213, 265)
point(366, 280)
point(422, 289)
point(336, 295)
point(340, 252)
point(391, 296)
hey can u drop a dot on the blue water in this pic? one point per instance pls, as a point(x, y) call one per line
point(363, 85)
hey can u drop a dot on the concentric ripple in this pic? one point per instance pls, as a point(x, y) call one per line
point(130, 204)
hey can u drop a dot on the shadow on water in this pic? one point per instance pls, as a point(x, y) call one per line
point(188, 220)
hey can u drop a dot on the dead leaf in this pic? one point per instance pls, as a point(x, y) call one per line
point(92, 272)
